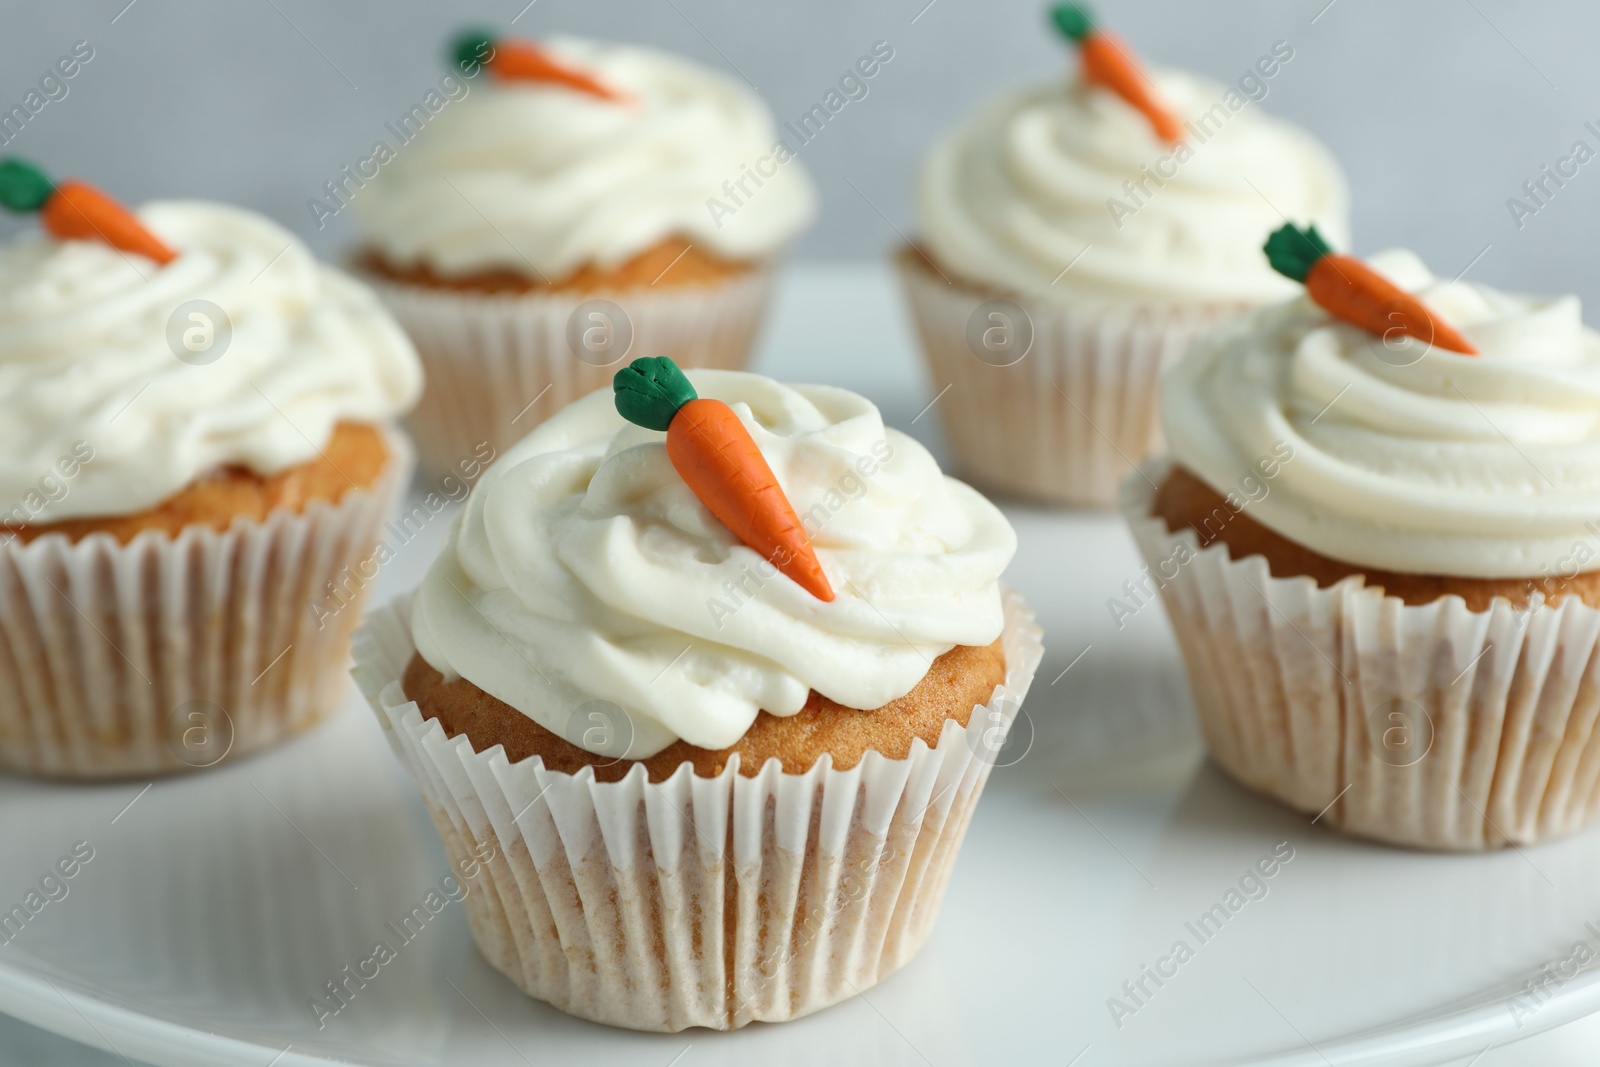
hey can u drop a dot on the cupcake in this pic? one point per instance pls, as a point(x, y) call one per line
point(1380, 556)
point(567, 204)
point(194, 455)
point(1075, 236)
point(720, 784)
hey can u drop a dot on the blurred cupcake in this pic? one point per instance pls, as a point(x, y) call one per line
point(1076, 236)
point(1380, 557)
point(576, 201)
point(653, 727)
point(193, 453)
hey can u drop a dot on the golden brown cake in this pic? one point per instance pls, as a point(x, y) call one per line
point(958, 681)
point(670, 263)
point(1184, 500)
point(353, 458)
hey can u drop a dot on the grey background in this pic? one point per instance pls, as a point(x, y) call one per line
point(1440, 109)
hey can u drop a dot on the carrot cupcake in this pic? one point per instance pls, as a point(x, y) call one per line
point(636, 676)
point(1076, 235)
point(1377, 545)
point(576, 202)
point(193, 449)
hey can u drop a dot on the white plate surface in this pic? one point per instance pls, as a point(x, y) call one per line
point(217, 906)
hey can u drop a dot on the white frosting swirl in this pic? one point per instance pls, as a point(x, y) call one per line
point(1405, 458)
point(583, 568)
point(519, 175)
point(85, 357)
point(1020, 190)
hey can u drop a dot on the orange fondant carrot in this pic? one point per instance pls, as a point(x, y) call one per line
point(714, 454)
point(1107, 62)
point(524, 61)
point(77, 211)
point(1350, 290)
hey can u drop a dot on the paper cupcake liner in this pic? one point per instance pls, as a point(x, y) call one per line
point(497, 365)
point(175, 653)
point(1425, 725)
point(1067, 421)
point(709, 902)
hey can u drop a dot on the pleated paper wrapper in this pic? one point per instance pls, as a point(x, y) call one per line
point(1431, 726)
point(1067, 421)
point(497, 365)
point(175, 653)
point(710, 902)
